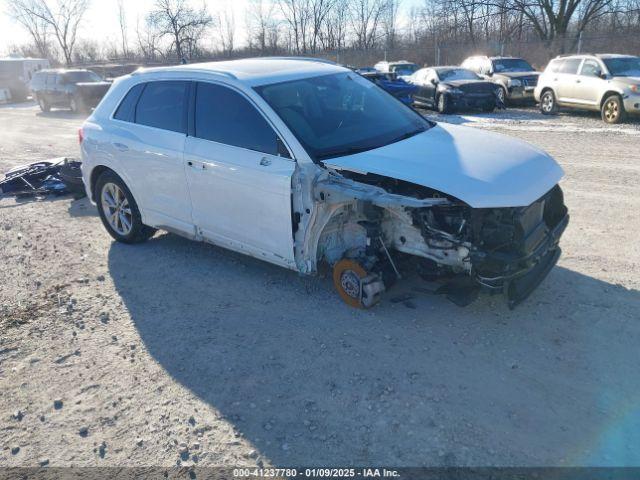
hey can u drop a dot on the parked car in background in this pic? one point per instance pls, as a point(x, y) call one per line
point(606, 83)
point(299, 162)
point(515, 76)
point(78, 90)
point(397, 87)
point(401, 69)
point(16, 73)
point(447, 89)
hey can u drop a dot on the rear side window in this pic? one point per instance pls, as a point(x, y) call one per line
point(163, 105)
point(555, 66)
point(570, 65)
point(225, 116)
point(126, 110)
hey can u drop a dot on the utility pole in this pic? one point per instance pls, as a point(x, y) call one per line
point(580, 42)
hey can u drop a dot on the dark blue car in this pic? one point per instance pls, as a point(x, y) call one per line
point(397, 87)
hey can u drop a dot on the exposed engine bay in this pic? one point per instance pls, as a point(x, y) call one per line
point(365, 225)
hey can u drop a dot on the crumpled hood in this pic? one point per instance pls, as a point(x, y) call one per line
point(483, 169)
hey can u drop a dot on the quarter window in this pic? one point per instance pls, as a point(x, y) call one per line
point(163, 105)
point(127, 108)
point(225, 116)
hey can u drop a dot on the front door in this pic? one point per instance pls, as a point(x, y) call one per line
point(239, 178)
point(588, 83)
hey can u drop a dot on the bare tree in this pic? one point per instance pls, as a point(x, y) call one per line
point(365, 17)
point(297, 15)
point(182, 23)
point(225, 25)
point(148, 38)
point(551, 19)
point(63, 17)
point(37, 28)
point(122, 22)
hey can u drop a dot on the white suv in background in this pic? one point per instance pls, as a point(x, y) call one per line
point(606, 83)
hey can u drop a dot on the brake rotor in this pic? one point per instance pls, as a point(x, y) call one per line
point(347, 280)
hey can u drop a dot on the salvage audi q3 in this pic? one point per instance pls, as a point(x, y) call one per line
point(301, 163)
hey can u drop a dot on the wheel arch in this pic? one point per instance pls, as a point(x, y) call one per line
point(607, 94)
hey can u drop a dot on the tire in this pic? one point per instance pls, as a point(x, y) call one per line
point(44, 105)
point(122, 220)
point(442, 104)
point(548, 104)
point(76, 104)
point(502, 95)
point(612, 110)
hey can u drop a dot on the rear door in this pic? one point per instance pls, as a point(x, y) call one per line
point(567, 76)
point(239, 183)
point(148, 139)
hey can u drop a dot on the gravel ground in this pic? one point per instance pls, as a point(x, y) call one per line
point(174, 352)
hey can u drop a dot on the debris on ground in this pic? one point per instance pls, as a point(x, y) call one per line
point(59, 176)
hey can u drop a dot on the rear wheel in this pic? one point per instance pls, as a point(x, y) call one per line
point(548, 105)
point(44, 106)
point(613, 109)
point(76, 104)
point(119, 211)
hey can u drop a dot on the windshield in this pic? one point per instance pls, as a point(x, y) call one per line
point(341, 114)
point(457, 74)
point(80, 77)
point(404, 69)
point(511, 65)
point(623, 66)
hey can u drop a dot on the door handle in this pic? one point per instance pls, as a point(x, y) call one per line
point(121, 146)
point(265, 162)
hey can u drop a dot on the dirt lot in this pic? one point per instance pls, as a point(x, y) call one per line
point(178, 352)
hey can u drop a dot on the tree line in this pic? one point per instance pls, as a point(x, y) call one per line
point(351, 31)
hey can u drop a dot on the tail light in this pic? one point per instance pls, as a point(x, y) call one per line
point(80, 135)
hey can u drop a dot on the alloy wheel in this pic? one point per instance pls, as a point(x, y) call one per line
point(611, 110)
point(117, 211)
point(547, 103)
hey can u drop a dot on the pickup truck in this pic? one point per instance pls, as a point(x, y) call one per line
point(79, 90)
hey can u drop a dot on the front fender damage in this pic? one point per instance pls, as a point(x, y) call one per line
point(379, 221)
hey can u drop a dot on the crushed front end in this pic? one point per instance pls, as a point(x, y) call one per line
point(511, 250)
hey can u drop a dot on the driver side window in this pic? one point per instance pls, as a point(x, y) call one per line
point(591, 68)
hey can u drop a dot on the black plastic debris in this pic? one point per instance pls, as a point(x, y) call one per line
point(58, 177)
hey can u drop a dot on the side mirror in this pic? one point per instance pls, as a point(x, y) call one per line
point(602, 75)
point(434, 81)
point(490, 73)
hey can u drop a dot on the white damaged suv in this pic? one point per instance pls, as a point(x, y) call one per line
point(301, 162)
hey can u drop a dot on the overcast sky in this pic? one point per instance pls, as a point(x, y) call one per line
point(100, 22)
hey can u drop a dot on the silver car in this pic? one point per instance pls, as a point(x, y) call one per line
point(606, 83)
